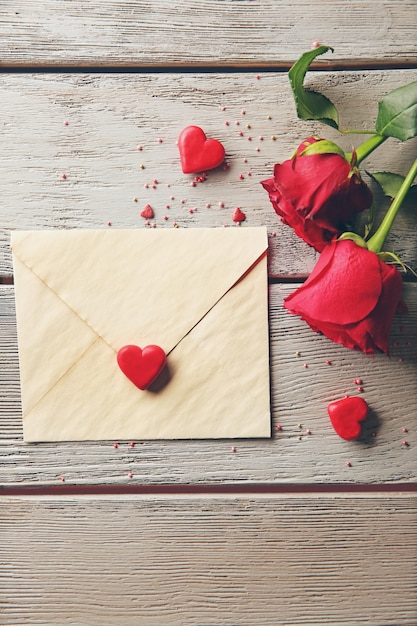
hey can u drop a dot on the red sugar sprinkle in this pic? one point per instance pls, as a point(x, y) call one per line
point(243, 112)
point(305, 365)
point(357, 381)
point(208, 205)
point(166, 217)
point(348, 463)
point(308, 431)
point(115, 445)
point(405, 443)
point(66, 123)
point(360, 389)
point(328, 362)
point(64, 176)
point(221, 204)
point(62, 479)
point(132, 444)
point(405, 430)
point(241, 176)
point(160, 140)
point(278, 427)
point(130, 475)
point(316, 44)
point(140, 148)
point(240, 133)
point(108, 223)
point(233, 448)
point(226, 123)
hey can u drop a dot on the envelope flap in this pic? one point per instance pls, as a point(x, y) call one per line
point(141, 286)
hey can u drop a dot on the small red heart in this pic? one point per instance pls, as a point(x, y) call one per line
point(198, 153)
point(238, 215)
point(147, 212)
point(346, 416)
point(141, 366)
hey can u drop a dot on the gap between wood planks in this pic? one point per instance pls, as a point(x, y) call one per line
point(255, 489)
point(221, 68)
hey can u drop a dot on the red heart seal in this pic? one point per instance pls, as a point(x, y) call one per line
point(141, 366)
point(198, 153)
point(346, 416)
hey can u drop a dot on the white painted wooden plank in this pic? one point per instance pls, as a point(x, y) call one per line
point(193, 561)
point(109, 116)
point(221, 31)
point(299, 403)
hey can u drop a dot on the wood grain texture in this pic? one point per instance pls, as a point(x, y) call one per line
point(299, 403)
point(222, 31)
point(195, 561)
point(109, 116)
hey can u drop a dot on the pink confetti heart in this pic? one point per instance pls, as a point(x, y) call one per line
point(141, 367)
point(346, 416)
point(238, 215)
point(147, 212)
point(198, 153)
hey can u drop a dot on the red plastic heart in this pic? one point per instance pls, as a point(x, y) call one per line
point(141, 367)
point(346, 416)
point(198, 153)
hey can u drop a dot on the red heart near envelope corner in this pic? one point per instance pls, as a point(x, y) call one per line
point(198, 153)
point(346, 416)
point(141, 367)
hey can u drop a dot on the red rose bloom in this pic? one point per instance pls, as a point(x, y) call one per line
point(350, 296)
point(317, 194)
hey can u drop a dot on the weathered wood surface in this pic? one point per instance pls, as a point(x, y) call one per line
point(193, 561)
point(299, 403)
point(222, 32)
point(311, 559)
point(109, 116)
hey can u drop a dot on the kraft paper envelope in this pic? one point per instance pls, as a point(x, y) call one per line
point(200, 294)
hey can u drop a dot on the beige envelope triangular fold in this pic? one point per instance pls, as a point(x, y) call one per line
point(140, 283)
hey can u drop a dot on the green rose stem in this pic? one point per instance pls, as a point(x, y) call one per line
point(368, 146)
point(376, 242)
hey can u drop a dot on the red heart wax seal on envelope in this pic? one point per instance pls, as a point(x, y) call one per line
point(346, 416)
point(197, 152)
point(141, 366)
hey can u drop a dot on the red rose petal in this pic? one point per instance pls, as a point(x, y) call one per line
point(346, 416)
point(354, 293)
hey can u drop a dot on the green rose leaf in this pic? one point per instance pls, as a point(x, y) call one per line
point(311, 105)
point(397, 113)
point(390, 183)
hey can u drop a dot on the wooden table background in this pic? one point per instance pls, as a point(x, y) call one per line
point(277, 532)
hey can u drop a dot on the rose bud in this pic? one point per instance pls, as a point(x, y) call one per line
point(350, 296)
point(317, 192)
